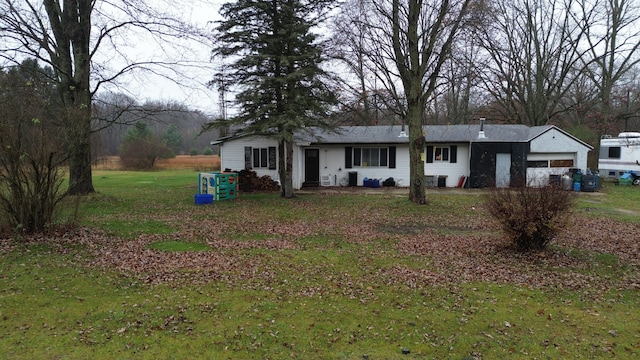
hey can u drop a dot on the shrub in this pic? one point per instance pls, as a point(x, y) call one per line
point(530, 216)
point(31, 177)
point(142, 154)
point(30, 193)
point(193, 152)
point(207, 151)
point(141, 148)
point(31, 159)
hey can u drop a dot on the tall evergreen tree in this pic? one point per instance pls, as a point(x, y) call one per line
point(275, 63)
point(173, 138)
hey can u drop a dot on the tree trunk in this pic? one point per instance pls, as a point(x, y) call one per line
point(80, 177)
point(71, 25)
point(77, 119)
point(281, 166)
point(417, 193)
point(287, 191)
point(77, 102)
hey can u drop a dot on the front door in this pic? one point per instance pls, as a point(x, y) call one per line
point(503, 170)
point(311, 167)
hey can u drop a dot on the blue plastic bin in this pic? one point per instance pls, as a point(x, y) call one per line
point(202, 199)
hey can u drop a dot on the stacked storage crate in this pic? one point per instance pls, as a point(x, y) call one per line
point(227, 186)
point(216, 186)
point(207, 183)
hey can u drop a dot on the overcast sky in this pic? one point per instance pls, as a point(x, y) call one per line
point(191, 89)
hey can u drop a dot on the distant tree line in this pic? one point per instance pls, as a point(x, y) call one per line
point(172, 125)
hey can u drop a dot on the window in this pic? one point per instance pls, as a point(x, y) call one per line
point(614, 152)
point(377, 156)
point(550, 163)
point(442, 154)
point(561, 163)
point(538, 164)
point(260, 157)
point(370, 157)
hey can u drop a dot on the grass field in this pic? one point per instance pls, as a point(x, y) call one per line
point(183, 162)
point(150, 275)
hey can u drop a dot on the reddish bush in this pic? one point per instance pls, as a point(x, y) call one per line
point(530, 216)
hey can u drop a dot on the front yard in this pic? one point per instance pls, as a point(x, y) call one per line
point(346, 276)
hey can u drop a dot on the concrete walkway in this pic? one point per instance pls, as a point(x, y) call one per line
point(384, 190)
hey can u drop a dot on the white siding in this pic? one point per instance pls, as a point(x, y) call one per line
point(539, 176)
point(232, 154)
point(554, 141)
point(332, 164)
point(554, 145)
point(454, 171)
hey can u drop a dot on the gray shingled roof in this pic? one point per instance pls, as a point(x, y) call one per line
point(353, 134)
point(493, 133)
point(434, 134)
point(389, 134)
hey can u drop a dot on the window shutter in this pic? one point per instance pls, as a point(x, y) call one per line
point(453, 155)
point(357, 157)
point(247, 157)
point(392, 157)
point(272, 157)
point(256, 158)
point(429, 154)
point(384, 157)
point(347, 157)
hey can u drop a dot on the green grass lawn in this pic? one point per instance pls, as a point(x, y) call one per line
point(153, 276)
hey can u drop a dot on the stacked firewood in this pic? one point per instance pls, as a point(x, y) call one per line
point(249, 181)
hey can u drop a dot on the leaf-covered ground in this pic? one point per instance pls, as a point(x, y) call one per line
point(263, 250)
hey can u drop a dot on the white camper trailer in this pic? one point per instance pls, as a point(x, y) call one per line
point(619, 154)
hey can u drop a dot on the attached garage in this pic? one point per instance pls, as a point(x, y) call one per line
point(554, 152)
point(540, 166)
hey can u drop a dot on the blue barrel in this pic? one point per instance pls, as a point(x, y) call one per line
point(576, 186)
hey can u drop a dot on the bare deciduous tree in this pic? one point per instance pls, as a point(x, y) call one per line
point(87, 44)
point(407, 44)
point(348, 46)
point(534, 47)
point(613, 40)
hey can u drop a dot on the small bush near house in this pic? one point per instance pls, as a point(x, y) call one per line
point(207, 151)
point(530, 216)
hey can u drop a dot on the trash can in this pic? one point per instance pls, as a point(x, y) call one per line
point(589, 183)
point(567, 182)
point(353, 178)
point(442, 181)
point(577, 177)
